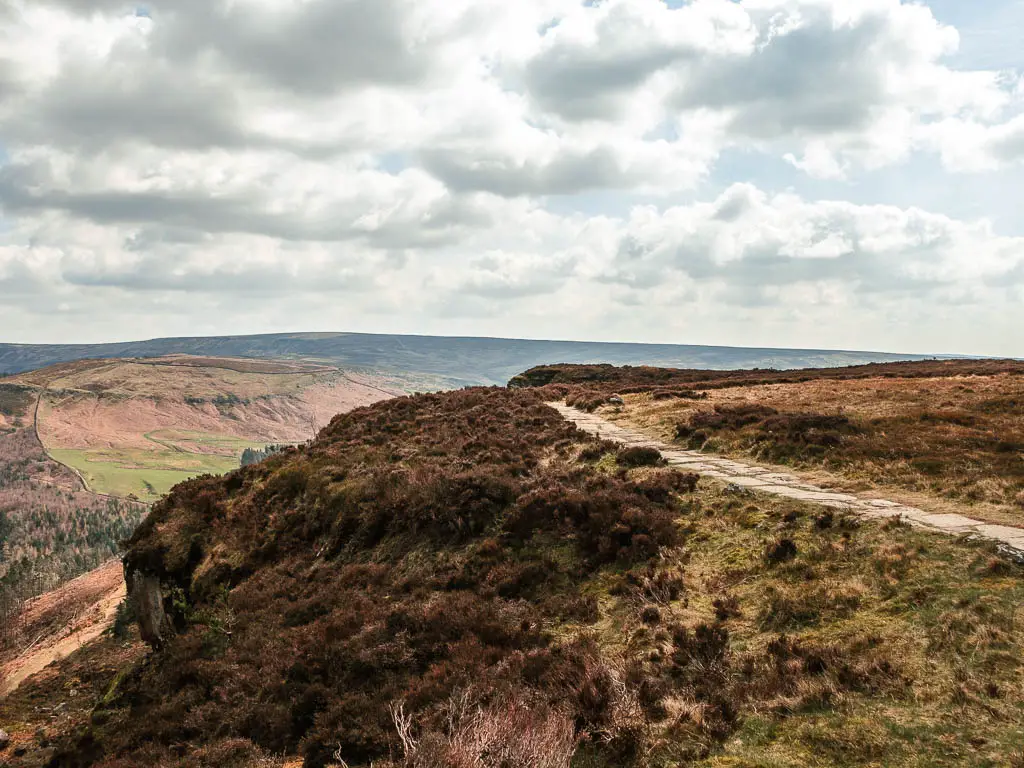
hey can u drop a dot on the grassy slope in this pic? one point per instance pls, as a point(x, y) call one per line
point(50, 529)
point(148, 475)
point(470, 547)
point(177, 455)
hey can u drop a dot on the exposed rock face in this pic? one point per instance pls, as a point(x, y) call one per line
point(5, 740)
point(148, 600)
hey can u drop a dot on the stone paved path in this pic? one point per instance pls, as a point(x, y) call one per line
point(765, 480)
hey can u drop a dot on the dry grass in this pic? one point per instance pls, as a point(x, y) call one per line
point(929, 441)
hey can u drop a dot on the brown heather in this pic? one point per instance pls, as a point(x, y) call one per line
point(466, 580)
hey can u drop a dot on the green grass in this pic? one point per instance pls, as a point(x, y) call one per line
point(181, 440)
point(146, 474)
point(149, 474)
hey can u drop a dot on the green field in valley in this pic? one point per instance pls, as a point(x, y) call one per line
point(149, 474)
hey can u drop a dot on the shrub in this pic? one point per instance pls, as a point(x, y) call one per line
point(507, 734)
point(791, 607)
point(639, 457)
point(587, 401)
point(824, 521)
point(650, 615)
point(694, 438)
point(731, 416)
point(780, 551)
point(659, 487)
point(726, 607)
point(595, 450)
point(678, 394)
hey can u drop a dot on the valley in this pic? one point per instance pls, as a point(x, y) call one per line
point(137, 427)
point(51, 528)
point(86, 446)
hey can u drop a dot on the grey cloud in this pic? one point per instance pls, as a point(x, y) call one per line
point(636, 266)
point(19, 283)
point(864, 272)
point(492, 284)
point(162, 272)
point(817, 79)
point(586, 85)
point(488, 281)
point(107, 105)
point(28, 188)
point(87, 7)
point(1010, 147)
point(9, 87)
point(151, 236)
point(732, 205)
point(1013, 276)
point(318, 48)
point(813, 80)
point(182, 91)
point(147, 101)
point(569, 173)
point(454, 305)
point(766, 264)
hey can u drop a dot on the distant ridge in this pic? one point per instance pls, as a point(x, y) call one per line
point(453, 361)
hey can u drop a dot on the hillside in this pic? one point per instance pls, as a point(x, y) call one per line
point(51, 528)
point(81, 442)
point(138, 426)
point(56, 623)
point(437, 362)
point(464, 579)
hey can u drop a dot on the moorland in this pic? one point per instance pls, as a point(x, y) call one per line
point(465, 579)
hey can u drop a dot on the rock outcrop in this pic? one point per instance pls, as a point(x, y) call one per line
point(147, 598)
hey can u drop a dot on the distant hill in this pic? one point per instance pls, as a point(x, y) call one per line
point(445, 362)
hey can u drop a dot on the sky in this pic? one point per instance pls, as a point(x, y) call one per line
point(788, 173)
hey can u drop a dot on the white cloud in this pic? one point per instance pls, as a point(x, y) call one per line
point(968, 145)
point(405, 156)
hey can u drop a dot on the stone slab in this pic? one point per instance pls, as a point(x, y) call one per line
point(955, 523)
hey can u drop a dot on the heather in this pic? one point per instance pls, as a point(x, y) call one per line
point(425, 548)
point(466, 580)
